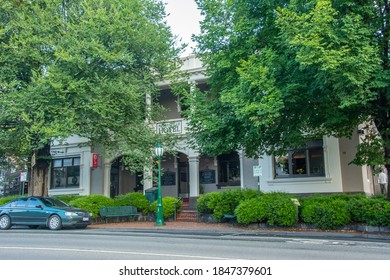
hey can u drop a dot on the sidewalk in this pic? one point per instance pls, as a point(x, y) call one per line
point(194, 228)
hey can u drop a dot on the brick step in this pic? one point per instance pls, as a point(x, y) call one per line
point(187, 216)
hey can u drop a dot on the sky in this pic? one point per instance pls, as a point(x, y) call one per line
point(183, 17)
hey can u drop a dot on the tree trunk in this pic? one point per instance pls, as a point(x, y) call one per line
point(40, 171)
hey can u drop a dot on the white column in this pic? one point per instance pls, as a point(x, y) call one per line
point(148, 178)
point(240, 154)
point(107, 178)
point(194, 175)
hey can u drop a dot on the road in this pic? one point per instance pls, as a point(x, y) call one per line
point(100, 244)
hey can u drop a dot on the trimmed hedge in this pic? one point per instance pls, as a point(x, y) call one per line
point(92, 203)
point(221, 203)
point(135, 199)
point(7, 199)
point(168, 204)
point(276, 209)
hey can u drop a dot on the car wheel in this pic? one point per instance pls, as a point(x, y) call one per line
point(5, 222)
point(54, 222)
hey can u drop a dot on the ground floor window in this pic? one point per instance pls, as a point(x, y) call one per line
point(66, 173)
point(229, 169)
point(305, 161)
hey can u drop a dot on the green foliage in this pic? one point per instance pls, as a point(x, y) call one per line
point(280, 210)
point(92, 203)
point(169, 204)
point(6, 199)
point(82, 68)
point(135, 199)
point(67, 198)
point(325, 213)
point(370, 211)
point(280, 70)
point(251, 211)
point(272, 208)
point(221, 203)
point(202, 202)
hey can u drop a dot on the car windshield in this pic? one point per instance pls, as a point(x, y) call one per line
point(54, 202)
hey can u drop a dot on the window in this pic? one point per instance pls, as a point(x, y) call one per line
point(229, 169)
point(306, 161)
point(66, 173)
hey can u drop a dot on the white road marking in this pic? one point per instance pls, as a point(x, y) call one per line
point(112, 252)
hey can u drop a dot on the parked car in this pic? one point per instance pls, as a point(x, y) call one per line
point(35, 211)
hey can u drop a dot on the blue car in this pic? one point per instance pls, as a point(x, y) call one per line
point(35, 211)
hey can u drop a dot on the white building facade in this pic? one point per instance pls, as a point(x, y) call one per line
point(320, 167)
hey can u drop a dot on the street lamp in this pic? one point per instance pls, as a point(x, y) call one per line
point(159, 150)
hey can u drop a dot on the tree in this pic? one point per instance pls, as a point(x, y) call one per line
point(84, 68)
point(283, 72)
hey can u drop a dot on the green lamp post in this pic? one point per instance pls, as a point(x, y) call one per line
point(159, 150)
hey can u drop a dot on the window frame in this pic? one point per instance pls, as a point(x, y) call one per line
point(63, 167)
point(307, 170)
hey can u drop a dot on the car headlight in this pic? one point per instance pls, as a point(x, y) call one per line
point(70, 214)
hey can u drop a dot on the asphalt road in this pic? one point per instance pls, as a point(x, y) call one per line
point(101, 244)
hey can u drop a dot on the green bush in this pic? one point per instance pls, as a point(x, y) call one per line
point(202, 202)
point(168, 204)
point(92, 203)
point(326, 213)
point(7, 199)
point(67, 198)
point(280, 210)
point(135, 199)
point(272, 208)
point(371, 211)
point(250, 211)
point(221, 203)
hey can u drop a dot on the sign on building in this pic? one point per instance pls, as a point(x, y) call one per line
point(172, 127)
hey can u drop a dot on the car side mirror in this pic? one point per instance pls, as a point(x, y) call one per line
point(39, 206)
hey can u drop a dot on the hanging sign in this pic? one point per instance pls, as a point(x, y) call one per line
point(95, 160)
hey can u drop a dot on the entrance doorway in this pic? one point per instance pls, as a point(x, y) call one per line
point(183, 173)
point(123, 181)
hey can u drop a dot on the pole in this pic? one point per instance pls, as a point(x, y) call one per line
point(160, 216)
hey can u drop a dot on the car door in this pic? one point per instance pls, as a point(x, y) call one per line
point(36, 212)
point(17, 210)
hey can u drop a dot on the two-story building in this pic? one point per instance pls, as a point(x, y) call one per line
point(320, 167)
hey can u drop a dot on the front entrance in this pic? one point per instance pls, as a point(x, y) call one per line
point(122, 181)
point(184, 180)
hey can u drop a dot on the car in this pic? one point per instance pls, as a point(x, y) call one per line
point(35, 211)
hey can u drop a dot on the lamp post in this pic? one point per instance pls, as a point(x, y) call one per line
point(159, 150)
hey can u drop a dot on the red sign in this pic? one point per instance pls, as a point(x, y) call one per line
point(95, 160)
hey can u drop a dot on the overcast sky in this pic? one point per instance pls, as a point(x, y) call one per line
point(184, 19)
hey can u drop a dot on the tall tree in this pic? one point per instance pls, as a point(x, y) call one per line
point(80, 67)
point(283, 72)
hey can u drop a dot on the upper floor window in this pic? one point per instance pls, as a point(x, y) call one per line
point(305, 161)
point(66, 173)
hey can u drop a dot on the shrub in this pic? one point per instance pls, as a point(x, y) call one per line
point(280, 210)
point(273, 208)
point(202, 202)
point(135, 199)
point(326, 213)
point(250, 211)
point(7, 199)
point(371, 211)
point(67, 198)
point(221, 203)
point(168, 204)
point(92, 203)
